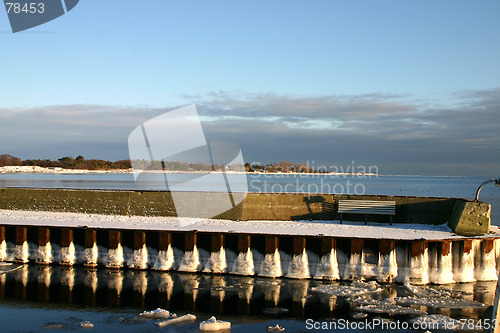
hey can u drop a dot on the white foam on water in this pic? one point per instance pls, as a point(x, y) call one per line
point(271, 265)
point(212, 324)
point(298, 268)
point(139, 258)
point(387, 267)
point(419, 268)
point(22, 252)
point(91, 255)
point(328, 267)
point(44, 254)
point(243, 264)
point(115, 257)
point(217, 262)
point(67, 255)
point(165, 259)
point(190, 261)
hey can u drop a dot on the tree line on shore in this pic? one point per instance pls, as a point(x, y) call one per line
point(96, 164)
point(66, 163)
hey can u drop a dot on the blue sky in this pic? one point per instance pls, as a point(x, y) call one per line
point(298, 72)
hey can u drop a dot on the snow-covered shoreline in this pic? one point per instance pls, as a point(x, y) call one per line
point(37, 169)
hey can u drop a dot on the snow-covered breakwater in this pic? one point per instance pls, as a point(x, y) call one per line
point(327, 251)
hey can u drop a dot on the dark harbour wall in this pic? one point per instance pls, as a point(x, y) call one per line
point(464, 217)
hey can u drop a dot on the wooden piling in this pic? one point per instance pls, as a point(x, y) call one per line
point(271, 244)
point(299, 245)
point(90, 257)
point(22, 251)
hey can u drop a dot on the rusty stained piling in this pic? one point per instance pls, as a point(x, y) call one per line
point(3, 244)
point(441, 262)
point(217, 263)
point(485, 261)
point(44, 252)
point(191, 259)
point(244, 262)
point(271, 265)
point(298, 257)
point(387, 263)
point(298, 267)
point(165, 260)
point(328, 267)
point(68, 255)
point(140, 254)
point(21, 249)
point(354, 266)
point(91, 252)
point(115, 250)
point(463, 261)
point(419, 263)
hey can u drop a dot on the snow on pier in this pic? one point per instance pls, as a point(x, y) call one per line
point(414, 253)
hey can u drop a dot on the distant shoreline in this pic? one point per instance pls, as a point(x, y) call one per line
point(37, 169)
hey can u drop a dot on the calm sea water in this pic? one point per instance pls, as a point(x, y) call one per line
point(43, 299)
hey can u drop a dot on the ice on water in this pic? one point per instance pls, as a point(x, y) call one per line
point(356, 288)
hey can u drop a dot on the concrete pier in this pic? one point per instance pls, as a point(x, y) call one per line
point(297, 257)
point(290, 237)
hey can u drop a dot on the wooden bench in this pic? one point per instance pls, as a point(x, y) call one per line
point(367, 207)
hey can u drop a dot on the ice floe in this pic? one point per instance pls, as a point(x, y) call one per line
point(174, 320)
point(354, 289)
point(386, 306)
point(212, 324)
point(434, 292)
point(439, 302)
point(276, 328)
point(86, 324)
point(156, 314)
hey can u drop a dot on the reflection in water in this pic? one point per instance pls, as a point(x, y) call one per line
point(220, 294)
